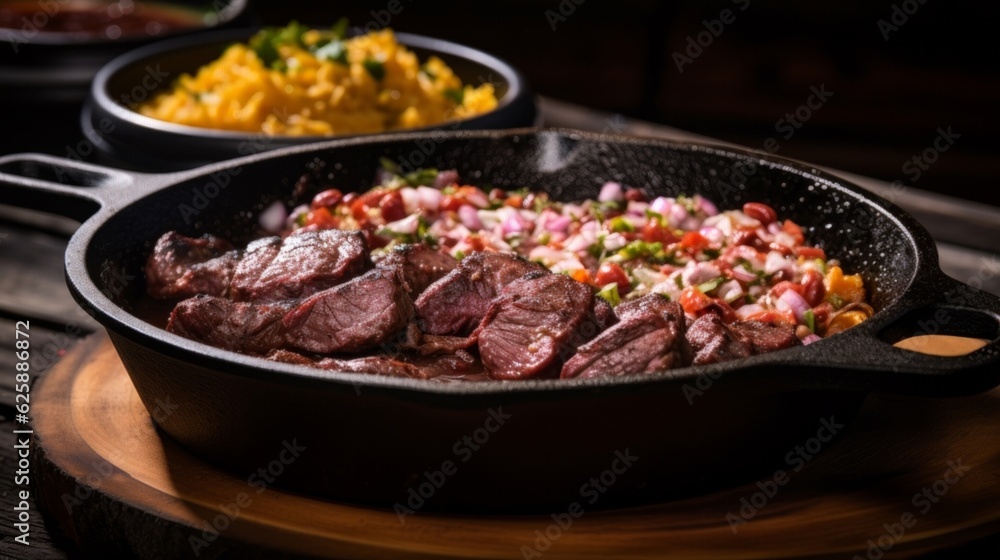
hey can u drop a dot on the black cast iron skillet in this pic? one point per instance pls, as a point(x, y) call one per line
point(383, 441)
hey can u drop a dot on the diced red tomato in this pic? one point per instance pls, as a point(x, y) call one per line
point(810, 252)
point(321, 218)
point(793, 229)
point(772, 316)
point(653, 232)
point(463, 195)
point(582, 275)
point(694, 241)
point(367, 201)
point(611, 272)
point(782, 287)
point(514, 201)
point(693, 301)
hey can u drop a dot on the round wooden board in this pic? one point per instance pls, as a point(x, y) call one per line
point(112, 482)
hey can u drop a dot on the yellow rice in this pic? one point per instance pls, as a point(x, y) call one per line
point(320, 97)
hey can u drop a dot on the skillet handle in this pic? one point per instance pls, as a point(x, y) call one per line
point(865, 359)
point(62, 186)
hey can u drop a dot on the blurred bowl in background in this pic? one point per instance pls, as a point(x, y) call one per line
point(50, 51)
point(125, 138)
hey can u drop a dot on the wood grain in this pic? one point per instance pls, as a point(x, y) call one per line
point(147, 496)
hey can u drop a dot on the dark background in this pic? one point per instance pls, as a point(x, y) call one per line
point(939, 69)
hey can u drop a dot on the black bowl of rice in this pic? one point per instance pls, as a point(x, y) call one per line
point(183, 103)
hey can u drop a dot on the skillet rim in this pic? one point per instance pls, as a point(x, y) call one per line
point(122, 323)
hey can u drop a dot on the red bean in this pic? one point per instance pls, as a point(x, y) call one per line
point(760, 212)
point(635, 195)
point(814, 291)
point(327, 199)
point(392, 207)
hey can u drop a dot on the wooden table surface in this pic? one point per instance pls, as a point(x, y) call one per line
point(31, 281)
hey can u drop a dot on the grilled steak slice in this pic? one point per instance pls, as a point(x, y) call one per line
point(604, 314)
point(534, 325)
point(238, 326)
point(376, 365)
point(649, 338)
point(765, 337)
point(458, 365)
point(352, 317)
point(457, 303)
point(256, 258)
point(421, 265)
point(714, 342)
point(181, 267)
point(304, 263)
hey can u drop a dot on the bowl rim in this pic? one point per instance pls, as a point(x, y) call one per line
point(101, 98)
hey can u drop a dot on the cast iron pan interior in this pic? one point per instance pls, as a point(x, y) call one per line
point(379, 440)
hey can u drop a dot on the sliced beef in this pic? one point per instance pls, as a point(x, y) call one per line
point(352, 317)
point(457, 303)
point(300, 265)
point(376, 365)
point(460, 364)
point(421, 265)
point(289, 357)
point(714, 342)
point(534, 325)
point(238, 326)
point(436, 345)
point(256, 258)
point(649, 338)
point(766, 337)
point(604, 314)
point(181, 267)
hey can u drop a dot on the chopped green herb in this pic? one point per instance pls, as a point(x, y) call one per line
point(821, 264)
point(711, 253)
point(375, 68)
point(421, 177)
point(456, 95)
point(652, 251)
point(265, 42)
point(712, 284)
point(389, 165)
point(544, 238)
point(621, 224)
point(836, 301)
point(279, 65)
point(428, 73)
point(459, 255)
point(810, 319)
point(339, 29)
point(609, 294)
point(657, 217)
point(596, 250)
point(334, 51)
point(679, 281)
